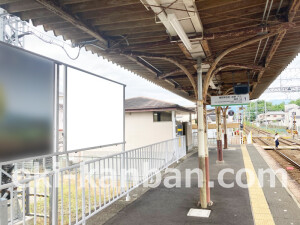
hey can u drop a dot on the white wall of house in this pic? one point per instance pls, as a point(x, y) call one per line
point(272, 118)
point(141, 130)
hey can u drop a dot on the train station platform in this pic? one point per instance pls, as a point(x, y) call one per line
point(235, 205)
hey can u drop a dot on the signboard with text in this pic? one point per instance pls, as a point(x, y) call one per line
point(226, 100)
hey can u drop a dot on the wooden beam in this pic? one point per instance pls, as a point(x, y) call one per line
point(227, 51)
point(294, 6)
point(236, 65)
point(102, 5)
point(206, 48)
point(212, 36)
point(185, 51)
point(134, 59)
point(57, 10)
point(163, 76)
point(246, 31)
point(169, 59)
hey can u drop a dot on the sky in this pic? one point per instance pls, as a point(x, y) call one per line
point(290, 77)
point(135, 85)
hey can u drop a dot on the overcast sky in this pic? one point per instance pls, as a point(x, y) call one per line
point(136, 86)
point(292, 71)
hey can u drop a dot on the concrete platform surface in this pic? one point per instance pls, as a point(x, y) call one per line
point(169, 206)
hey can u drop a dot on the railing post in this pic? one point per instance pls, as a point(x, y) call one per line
point(3, 211)
point(176, 146)
point(123, 168)
point(27, 200)
point(166, 154)
point(54, 193)
point(128, 198)
point(82, 176)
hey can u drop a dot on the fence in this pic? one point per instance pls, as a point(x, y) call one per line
point(62, 189)
point(210, 141)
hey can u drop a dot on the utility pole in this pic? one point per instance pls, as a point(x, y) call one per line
point(12, 29)
point(201, 137)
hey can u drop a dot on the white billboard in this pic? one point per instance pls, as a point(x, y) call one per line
point(225, 100)
point(95, 111)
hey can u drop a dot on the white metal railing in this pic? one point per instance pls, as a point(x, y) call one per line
point(210, 141)
point(195, 139)
point(62, 189)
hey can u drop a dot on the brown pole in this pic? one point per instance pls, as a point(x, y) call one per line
point(225, 127)
point(219, 134)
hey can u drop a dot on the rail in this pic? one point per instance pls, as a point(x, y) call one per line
point(59, 189)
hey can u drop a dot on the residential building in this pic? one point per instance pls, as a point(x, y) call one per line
point(276, 118)
point(149, 121)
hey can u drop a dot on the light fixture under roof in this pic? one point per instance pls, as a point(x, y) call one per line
point(180, 31)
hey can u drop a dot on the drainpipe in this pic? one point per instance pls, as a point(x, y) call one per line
point(201, 137)
point(219, 134)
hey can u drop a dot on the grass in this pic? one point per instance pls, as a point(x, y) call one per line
point(109, 189)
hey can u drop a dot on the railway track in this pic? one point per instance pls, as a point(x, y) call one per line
point(264, 141)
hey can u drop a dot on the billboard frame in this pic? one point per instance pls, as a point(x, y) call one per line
point(57, 64)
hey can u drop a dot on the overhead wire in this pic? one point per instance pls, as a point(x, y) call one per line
point(33, 31)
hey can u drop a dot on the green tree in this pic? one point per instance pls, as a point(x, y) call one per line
point(297, 102)
point(258, 107)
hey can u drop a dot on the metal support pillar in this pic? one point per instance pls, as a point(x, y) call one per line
point(219, 134)
point(53, 179)
point(201, 137)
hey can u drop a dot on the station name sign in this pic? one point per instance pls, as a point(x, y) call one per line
point(225, 100)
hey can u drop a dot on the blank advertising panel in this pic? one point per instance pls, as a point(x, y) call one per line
point(26, 104)
point(95, 111)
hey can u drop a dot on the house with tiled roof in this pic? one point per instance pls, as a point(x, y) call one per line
point(149, 121)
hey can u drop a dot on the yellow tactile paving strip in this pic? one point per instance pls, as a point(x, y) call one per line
point(260, 208)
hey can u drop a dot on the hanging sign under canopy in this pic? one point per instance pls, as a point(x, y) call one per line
point(225, 100)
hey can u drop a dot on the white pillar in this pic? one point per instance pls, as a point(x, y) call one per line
point(201, 136)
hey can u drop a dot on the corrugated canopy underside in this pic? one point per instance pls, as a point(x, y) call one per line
point(136, 40)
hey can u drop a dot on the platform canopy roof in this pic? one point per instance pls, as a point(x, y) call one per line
point(239, 41)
